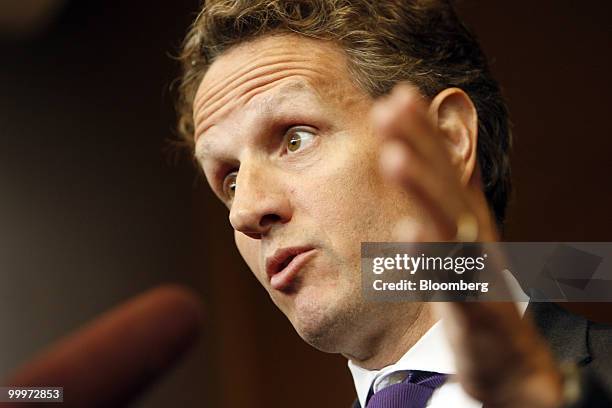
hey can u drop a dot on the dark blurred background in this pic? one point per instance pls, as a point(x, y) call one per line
point(94, 207)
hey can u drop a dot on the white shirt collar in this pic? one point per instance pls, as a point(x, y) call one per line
point(430, 353)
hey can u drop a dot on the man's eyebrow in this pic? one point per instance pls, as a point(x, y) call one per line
point(294, 86)
point(270, 103)
point(203, 149)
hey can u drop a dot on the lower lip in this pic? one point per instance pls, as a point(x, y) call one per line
point(283, 279)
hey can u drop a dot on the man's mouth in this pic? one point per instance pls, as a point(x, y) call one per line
point(283, 266)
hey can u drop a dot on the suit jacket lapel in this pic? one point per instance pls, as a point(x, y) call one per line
point(566, 333)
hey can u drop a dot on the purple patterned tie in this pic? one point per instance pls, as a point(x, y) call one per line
point(413, 392)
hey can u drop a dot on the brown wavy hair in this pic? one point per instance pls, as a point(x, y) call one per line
point(386, 41)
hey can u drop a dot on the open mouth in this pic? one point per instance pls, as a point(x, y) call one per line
point(284, 265)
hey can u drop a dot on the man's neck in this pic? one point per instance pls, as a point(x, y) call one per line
point(387, 347)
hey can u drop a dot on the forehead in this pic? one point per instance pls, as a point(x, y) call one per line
point(271, 69)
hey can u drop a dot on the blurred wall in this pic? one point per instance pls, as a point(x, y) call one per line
point(93, 211)
point(553, 61)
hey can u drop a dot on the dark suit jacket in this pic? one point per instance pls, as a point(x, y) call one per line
point(575, 339)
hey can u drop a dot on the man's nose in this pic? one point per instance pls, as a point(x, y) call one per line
point(260, 201)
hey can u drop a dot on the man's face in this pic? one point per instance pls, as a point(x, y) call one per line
point(284, 139)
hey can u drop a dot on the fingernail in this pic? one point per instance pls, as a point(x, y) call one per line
point(380, 116)
point(393, 157)
point(404, 230)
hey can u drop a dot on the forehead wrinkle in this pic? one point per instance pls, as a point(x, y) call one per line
point(242, 95)
point(240, 77)
point(259, 57)
point(238, 72)
point(268, 104)
point(258, 54)
point(268, 56)
point(243, 85)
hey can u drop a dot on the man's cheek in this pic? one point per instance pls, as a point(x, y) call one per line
point(249, 250)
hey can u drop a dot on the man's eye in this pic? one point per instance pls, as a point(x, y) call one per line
point(298, 139)
point(229, 185)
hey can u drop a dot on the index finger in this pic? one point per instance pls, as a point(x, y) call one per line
point(404, 116)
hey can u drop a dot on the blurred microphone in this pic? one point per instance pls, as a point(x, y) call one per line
point(113, 359)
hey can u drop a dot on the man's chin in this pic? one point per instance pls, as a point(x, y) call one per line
point(325, 326)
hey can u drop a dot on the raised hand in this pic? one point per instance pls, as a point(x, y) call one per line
point(429, 149)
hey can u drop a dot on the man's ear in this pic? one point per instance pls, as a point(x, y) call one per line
point(457, 120)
